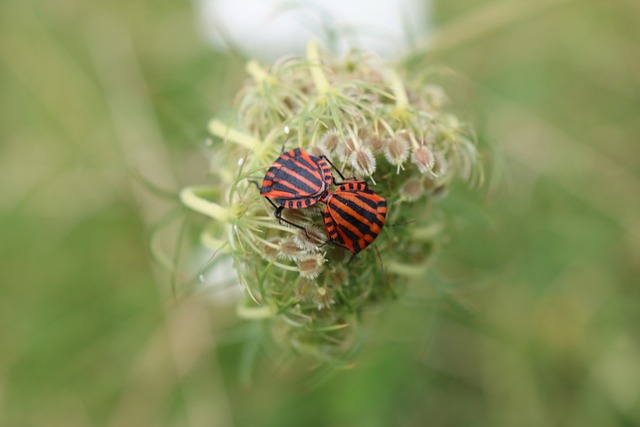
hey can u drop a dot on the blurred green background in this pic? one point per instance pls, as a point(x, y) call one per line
point(533, 318)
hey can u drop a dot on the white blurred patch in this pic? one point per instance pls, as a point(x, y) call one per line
point(267, 29)
point(219, 282)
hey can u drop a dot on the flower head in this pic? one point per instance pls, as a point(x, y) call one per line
point(372, 125)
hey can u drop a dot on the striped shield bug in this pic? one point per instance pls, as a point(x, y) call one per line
point(296, 180)
point(354, 215)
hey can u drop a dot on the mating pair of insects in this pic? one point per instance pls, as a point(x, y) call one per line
point(354, 214)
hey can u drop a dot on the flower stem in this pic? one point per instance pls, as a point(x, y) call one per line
point(406, 269)
point(253, 313)
point(399, 91)
point(217, 128)
point(193, 197)
point(318, 76)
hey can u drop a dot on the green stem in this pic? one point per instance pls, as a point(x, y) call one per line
point(406, 269)
point(217, 128)
point(318, 76)
point(399, 92)
point(254, 313)
point(194, 198)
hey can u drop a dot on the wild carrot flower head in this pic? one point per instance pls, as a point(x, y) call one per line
point(372, 123)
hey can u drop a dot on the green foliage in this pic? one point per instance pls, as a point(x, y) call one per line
point(532, 318)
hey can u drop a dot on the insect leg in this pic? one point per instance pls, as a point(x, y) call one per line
point(352, 178)
point(278, 215)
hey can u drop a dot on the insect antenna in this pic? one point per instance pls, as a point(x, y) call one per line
point(286, 132)
point(397, 224)
point(379, 259)
point(251, 181)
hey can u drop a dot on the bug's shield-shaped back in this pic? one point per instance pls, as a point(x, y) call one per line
point(296, 179)
point(354, 216)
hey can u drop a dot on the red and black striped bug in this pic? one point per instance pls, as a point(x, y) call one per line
point(296, 180)
point(354, 215)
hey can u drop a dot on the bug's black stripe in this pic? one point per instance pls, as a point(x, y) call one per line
point(312, 162)
point(285, 165)
point(303, 158)
point(277, 189)
point(347, 237)
point(356, 186)
point(381, 206)
point(324, 166)
point(312, 175)
point(331, 228)
point(292, 177)
point(381, 210)
point(366, 226)
point(326, 170)
point(378, 222)
point(292, 169)
point(359, 205)
point(290, 201)
point(305, 161)
point(345, 233)
point(294, 189)
point(381, 218)
point(344, 217)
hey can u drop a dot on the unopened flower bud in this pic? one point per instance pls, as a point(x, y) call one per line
point(345, 148)
point(362, 161)
point(329, 141)
point(311, 240)
point(296, 216)
point(337, 277)
point(318, 151)
point(441, 165)
point(272, 249)
point(374, 142)
point(435, 96)
point(396, 150)
point(412, 189)
point(323, 297)
point(311, 266)
point(305, 289)
point(290, 250)
point(423, 158)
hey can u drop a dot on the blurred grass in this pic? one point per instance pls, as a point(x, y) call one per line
point(534, 319)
